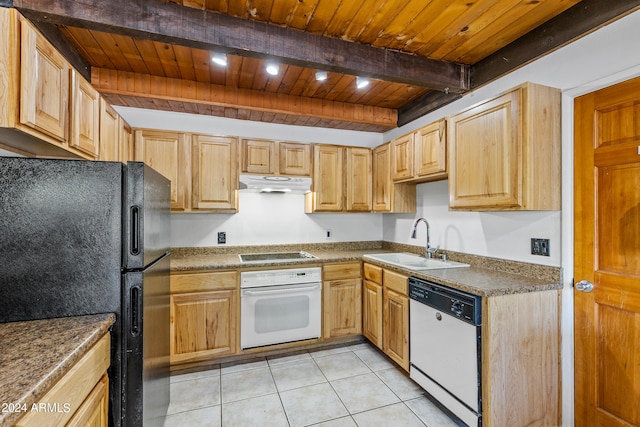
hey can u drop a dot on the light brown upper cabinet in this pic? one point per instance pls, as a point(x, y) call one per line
point(359, 179)
point(85, 116)
point(342, 179)
point(402, 157)
point(214, 173)
point(387, 195)
point(295, 159)
point(267, 157)
point(431, 152)
point(109, 133)
point(420, 156)
point(168, 153)
point(125, 140)
point(505, 152)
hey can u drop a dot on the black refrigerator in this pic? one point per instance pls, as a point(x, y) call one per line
point(80, 237)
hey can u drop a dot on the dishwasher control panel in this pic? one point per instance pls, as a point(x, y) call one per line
point(463, 305)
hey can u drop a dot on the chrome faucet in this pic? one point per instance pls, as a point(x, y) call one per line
point(429, 250)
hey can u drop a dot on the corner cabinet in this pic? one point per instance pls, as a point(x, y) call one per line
point(386, 312)
point(388, 196)
point(341, 300)
point(204, 316)
point(505, 152)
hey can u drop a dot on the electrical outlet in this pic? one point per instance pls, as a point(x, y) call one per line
point(222, 237)
point(540, 247)
point(328, 234)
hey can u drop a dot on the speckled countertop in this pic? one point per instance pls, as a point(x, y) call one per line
point(35, 354)
point(486, 277)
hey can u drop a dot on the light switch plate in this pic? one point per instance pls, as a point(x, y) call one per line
point(222, 237)
point(540, 247)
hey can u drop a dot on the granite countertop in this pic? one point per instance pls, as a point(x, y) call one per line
point(35, 354)
point(486, 277)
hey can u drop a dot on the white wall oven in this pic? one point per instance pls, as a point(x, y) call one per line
point(278, 306)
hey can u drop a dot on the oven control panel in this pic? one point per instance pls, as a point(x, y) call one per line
point(290, 276)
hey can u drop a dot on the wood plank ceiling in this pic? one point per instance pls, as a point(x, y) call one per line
point(418, 54)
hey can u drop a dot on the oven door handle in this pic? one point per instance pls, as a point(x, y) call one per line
point(279, 291)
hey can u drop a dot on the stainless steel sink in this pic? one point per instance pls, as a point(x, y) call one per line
point(275, 256)
point(413, 261)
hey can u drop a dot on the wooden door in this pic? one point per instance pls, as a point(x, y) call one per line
point(109, 133)
point(168, 153)
point(372, 312)
point(44, 87)
point(607, 254)
point(402, 157)
point(203, 325)
point(258, 156)
point(328, 178)
point(94, 411)
point(342, 302)
point(214, 173)
point(358, 179)
point(295, 159)
point(85, 117)
point(431, 151)
point(381, 179)
point(125, 141)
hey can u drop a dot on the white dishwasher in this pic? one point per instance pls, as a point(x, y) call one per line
point(445, 352)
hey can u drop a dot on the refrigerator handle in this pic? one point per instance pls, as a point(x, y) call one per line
point(136, 311)
point(135, 230)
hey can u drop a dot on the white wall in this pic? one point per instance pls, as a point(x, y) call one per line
point(605, 57)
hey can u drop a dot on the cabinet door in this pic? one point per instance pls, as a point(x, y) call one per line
point(94, 411)
point(258, 156)
point(44, 85)
point(381, 179)
point(431, 151)
point(109, 133)
point(486, 155)
point(85, 117)
point(328, 183)
point(203, 325)
point(359, 180)
point(214, 173)
point(294, 158)
point(395, 334)
point(402, 157)
point(342, 304)
point(125, 140)
point(167, 153)
point(372, 312)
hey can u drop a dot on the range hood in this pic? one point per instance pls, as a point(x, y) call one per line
point(275, 184)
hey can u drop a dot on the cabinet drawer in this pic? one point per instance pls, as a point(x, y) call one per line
point(396, 282)
point(373, 273)
point(347, 270)
point(204, 281)
point(73, 387)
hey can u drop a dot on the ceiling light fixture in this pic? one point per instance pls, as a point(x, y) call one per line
point(220, 59)
point(321, 76)
point(272, 69)
point(362, 82)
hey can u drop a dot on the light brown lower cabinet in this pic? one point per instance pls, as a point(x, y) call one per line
point(80, 397)
point(341, 300)
point(204, 316)
point(386, 312)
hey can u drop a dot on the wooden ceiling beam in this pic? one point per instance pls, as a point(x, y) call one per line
point(575, 22)
point(130, 85)
point(175, 24)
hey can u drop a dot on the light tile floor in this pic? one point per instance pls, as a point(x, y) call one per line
point(346, 386)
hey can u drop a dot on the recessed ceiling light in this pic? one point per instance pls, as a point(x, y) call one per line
point(220, 59)
point(362, 82)
point(321, 76)
point(272, 69)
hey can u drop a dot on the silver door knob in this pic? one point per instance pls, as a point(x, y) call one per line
point(584, 286)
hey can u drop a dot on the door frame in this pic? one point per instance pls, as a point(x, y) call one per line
point(568, 146)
